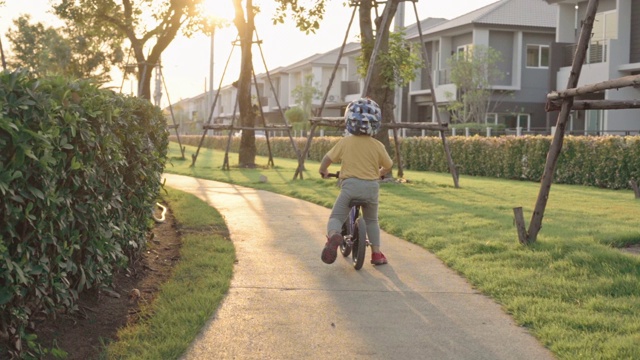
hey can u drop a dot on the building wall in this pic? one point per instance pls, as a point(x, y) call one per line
point(502, 41)
point(635, 32)
point(535, 81)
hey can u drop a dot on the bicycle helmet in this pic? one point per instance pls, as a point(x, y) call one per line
point(363, 117)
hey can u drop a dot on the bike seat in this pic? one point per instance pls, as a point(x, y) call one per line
point(357, 203)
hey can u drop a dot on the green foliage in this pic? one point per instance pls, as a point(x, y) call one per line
point(197, 286)
point(295, 115)
point(304, 94)
point(307, 18)
point(579, 296)
point(607, 162)
point(79, 174)
point(67, 50)
point(398, 65)
point(473, 72)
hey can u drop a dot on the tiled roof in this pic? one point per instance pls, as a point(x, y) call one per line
point(318, 58)
point(411, 31)
point(536, 13)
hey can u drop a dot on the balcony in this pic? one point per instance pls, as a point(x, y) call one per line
point(597, 53)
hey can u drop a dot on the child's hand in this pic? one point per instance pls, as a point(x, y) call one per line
point(324, 174)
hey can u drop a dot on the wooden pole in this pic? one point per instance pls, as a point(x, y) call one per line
point(634, 186)
point(520, 226)
point(556, 144)
point(555, 105)
point(307, 146)
point(452, 167)
point(632, 80)
point(303, 156)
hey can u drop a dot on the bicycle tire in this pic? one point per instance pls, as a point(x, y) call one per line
point(345, 248)
point(360, 244)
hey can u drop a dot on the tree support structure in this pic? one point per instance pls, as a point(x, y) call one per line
point(565, 101)
point(339, 121)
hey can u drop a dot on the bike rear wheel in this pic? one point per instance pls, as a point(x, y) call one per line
point(345, 247)
point(359, 244)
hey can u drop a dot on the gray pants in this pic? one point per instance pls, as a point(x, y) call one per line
point(364, 190)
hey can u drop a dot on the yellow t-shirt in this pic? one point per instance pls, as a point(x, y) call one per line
point(361, 156)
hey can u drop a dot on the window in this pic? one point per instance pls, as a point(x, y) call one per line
point(537, 56)
point(605, 26)
point(463, 51)
point(593, 122)
point(491, 119)
point(510, 121)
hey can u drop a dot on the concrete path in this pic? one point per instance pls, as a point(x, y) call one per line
point(285, 303)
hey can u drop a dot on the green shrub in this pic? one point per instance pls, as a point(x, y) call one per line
point(607, 161)
point(80, 171)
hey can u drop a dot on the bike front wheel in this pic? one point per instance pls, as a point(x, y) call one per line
point(360, 244)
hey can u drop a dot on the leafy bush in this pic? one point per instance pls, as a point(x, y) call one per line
point(80, 171)
point(607, 161)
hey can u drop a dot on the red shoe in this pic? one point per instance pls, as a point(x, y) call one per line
point(378, 258)
point(330, 251)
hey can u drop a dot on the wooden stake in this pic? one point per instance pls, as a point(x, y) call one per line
point(520, 225)
point(555, 105)
point(556, 144)
point(634, 186)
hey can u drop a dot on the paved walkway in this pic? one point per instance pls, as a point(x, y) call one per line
point(284, 303)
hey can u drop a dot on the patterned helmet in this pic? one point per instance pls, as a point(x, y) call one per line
point(363, 117)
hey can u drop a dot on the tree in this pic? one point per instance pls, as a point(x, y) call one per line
point(394, 66)
point(304, 94)
point(2, 59)
point(382, 83)
point(149, 25)
point(244, 22)
point(473, 72)
point(307, 19)
point(68, 50)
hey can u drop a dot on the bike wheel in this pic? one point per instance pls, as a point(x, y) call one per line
point(345, 248)
point(360, 244)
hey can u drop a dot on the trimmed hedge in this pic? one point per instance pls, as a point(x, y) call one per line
point(80, 172)
point(606, 161)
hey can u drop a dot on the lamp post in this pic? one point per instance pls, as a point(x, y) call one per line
point(211, 63)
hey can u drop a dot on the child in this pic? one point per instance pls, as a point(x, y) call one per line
point(364, 160)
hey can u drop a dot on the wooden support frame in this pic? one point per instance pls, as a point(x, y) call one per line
point(556, 145)
point(339, 121)
point(266, 127)
point(634, 186)
point(564, 101)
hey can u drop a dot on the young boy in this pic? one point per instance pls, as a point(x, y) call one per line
point(364, 161)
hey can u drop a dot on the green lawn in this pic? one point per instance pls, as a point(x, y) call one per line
point(577, 293)
point(188, 300)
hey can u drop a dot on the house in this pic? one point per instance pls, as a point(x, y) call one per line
point(523, 32)
point(614, 52)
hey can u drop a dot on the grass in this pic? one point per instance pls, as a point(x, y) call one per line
point(189, 299)
point(572, 289)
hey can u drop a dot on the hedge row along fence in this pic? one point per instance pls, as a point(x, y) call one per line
point(607, 161)
point(80, 172)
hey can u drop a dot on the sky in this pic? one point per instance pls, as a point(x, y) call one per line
point(186, 62)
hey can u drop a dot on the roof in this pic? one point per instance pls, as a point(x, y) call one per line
point(412, 30)
point(317, 58)
point(533, 13)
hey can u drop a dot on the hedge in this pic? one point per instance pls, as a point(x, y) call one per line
point(606, 161)
point(80, 172)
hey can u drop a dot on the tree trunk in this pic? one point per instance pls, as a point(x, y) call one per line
point(378, 89)
point(4, 62)
point(247, 154)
